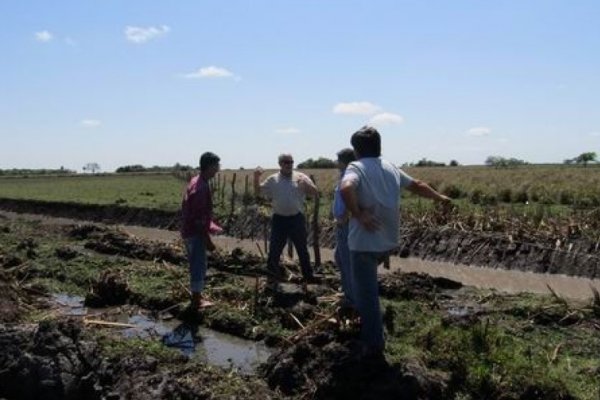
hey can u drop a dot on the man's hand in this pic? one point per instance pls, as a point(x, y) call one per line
point(368, 220)
point(307, 186)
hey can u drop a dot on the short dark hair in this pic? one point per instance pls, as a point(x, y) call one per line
point(366, 142)
point(207, 160)
point(346, 156)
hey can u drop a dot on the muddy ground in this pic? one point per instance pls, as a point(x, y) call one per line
point(444, 341)
point(558, 252)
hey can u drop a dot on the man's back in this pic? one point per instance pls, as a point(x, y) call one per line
point(378, 185)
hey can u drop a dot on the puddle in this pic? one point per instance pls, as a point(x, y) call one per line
point(70, 305)
point(197, 342)
point(460, 311)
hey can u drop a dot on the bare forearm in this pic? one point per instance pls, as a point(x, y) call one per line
point(350, 199)
point(422, 189)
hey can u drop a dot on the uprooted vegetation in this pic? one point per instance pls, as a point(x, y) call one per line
point(444, 341)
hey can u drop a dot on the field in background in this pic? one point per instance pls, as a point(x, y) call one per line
point(486, 198)
point(548, 185)
point(162, 191)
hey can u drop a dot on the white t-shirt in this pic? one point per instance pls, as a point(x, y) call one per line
point(286, 195)
point(378, 184)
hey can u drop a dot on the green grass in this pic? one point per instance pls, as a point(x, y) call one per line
point(502, 352)
point(160, 191)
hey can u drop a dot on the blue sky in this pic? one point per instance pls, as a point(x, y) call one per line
point(156, 82)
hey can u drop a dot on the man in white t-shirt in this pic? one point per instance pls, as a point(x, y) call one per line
point(371, 189)
point(287, 190)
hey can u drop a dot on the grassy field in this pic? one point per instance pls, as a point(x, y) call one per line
point(528, 193)
point(550, 185)
point(161, 191)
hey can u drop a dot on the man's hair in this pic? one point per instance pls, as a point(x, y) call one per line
point(207, 160)
point(366, 142)
point(346, 156)
point(283, 156)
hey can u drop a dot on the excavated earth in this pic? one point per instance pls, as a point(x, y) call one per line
point(570, 255)
point(62, 358)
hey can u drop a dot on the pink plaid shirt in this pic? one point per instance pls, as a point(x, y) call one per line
point(196, 208)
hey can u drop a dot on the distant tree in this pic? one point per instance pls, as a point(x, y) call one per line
point(428, 163)
point(180, 167)
point(454, 163)
point(91, 167)
point(130, 168)
point(585, 158)
point(501, 162)
point(321, 162)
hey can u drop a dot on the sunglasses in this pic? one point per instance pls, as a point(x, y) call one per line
point(287, 161)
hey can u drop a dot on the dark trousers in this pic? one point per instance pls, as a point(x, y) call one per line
point(282, 228)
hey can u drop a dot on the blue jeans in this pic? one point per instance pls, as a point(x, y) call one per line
point(366, 297)
point(293, 227)
point(196, 252)
point(342, 259)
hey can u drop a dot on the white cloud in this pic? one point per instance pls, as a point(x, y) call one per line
point(43, 36)
point(90, 123)
point(288, 131)
point(595, 134)
point(70, 41)
point(357, 107)
point(139, 35)
point(386, 118)
point(211, 72)
point(479, 131)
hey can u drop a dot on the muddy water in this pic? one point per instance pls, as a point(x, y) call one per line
point(502, 280)
point(196, 342)
point(489, 278)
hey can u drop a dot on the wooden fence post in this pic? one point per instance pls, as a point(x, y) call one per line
point(245, 200)
point(233, 194)
point(223, 184)
point(265, 237)
point(316, 229)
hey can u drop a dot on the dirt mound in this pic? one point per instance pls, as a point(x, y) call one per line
point(333, 369)
point(85, 231)
point(120, 243)
point(48, 362)
point(108, 213)
point(414, 286)
point(111, 289)
point(10, 303)
point(55, 361)
point(66, 253)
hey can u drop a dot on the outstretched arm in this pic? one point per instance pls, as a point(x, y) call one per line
point(422, 189)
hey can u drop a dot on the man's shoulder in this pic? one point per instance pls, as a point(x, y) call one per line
point(299, 174)
point(273, 177)
point(197, 184)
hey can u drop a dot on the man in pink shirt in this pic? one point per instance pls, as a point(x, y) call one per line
point(197, 225)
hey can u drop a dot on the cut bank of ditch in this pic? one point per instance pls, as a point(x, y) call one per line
point(559, 251)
